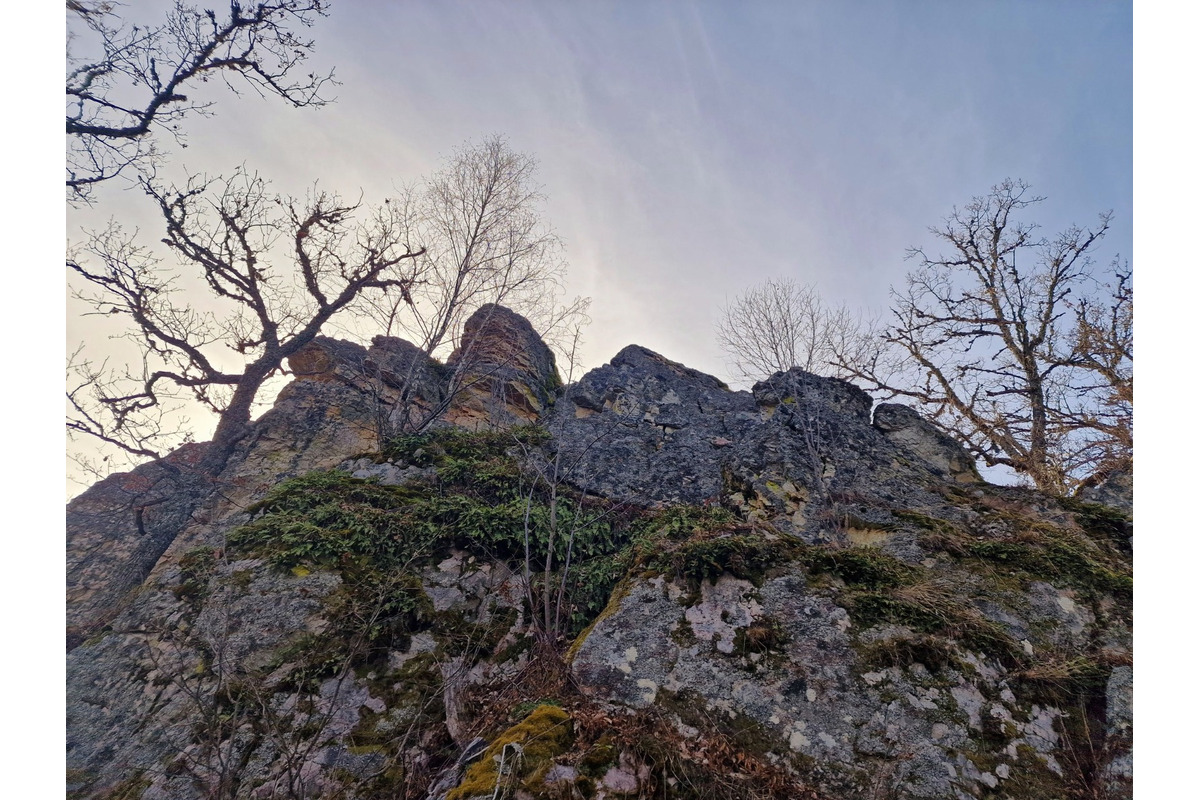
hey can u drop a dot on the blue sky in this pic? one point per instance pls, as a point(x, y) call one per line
point(692, 149)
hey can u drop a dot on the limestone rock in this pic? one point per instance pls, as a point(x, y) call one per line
point(1115, 490)
point(1118, 739)
point(643, 428)
point(647, 430)
point(878, 629)
point(503, 372)
point(327, 359)
point(904, 427)
point(403, 386)
point(118, 529)
point(405, 368)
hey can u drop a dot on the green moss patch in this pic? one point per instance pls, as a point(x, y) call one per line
point(543, 735)
point(1056, 559)
point(479, 501)
point(866, 568)
point(1102, 522)
point(744, 555)
point(443, 447)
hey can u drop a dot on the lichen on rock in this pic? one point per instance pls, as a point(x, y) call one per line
point(771, 595)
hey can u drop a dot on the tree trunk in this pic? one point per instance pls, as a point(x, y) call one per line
point(235, 420)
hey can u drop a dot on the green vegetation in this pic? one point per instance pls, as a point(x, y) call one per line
point(479, 500)
point(745, 555)
point(542, 736)
point(861, 567)
point(196, 567)
point(324, 518)
point(919, 520)
point(698, 543)
point(1102, 522)
point(444, 446)
point(882, 589)
point(1056, 559)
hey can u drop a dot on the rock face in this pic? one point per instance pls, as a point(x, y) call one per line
point(404, 387)
point(118, 529)
point(503, 371)
point(345, 401)
point(802, 601)
point(1115, 490)
point(650, 430)
point(644, 429)
point(904, 427)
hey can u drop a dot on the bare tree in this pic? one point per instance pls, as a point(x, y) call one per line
point(131, 81)
point(479, 220)
point(276, 270)
point(781, 324)
point(1007, 351)
point(1101, 348)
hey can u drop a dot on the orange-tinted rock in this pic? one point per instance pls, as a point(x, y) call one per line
point(504, 373)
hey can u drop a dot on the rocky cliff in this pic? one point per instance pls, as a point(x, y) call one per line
point(643, 584)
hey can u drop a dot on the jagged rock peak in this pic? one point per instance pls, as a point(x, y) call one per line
point(648, 430)
point(500, 374)
point(503, 371)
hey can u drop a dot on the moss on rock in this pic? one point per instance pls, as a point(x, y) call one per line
point(542, 736)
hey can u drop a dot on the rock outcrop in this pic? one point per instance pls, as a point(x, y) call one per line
point(118, 529)
point(1115, 490)
point(907, 429)
point(771, 594)
point(345, 401)
point(503, 372)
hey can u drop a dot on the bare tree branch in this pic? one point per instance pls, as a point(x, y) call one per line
point(479, 219)
point(1006, 349)
point(782, 324)
point(271, 302)
point(135, 80)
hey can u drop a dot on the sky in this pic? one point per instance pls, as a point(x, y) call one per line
point(690, 150)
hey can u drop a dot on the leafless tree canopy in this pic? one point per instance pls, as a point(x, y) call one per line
point(781, 324)
point(1011, 342)
point(125, 82)
point(272, 271)
point(479, 220)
